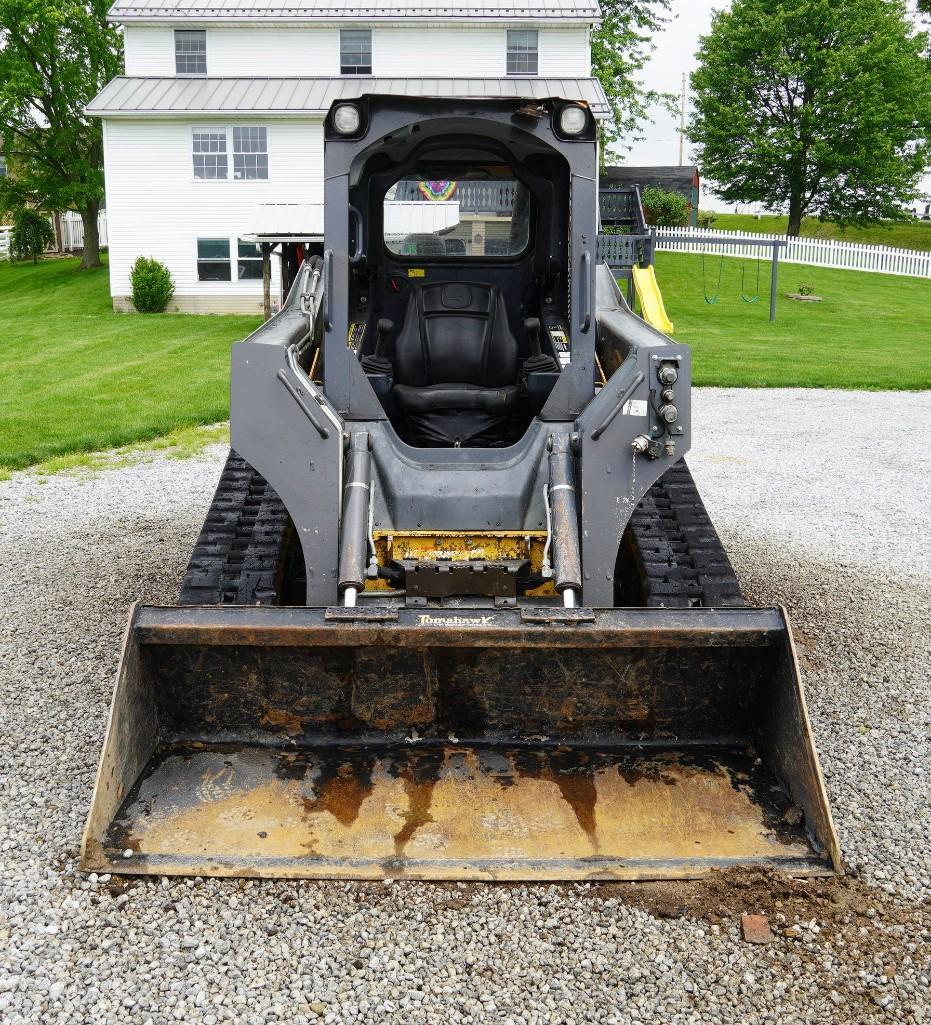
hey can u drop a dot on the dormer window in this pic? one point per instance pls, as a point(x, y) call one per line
point(190, 51)
point(523, 52)
point(355, 51)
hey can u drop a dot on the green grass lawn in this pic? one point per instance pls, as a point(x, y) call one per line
point(871, 331)
point(75, 376)
point(908, 235)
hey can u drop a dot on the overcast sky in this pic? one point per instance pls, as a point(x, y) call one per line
point(675, 54)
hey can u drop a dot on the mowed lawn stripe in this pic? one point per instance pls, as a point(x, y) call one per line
point(870, 331)
point(75, 376)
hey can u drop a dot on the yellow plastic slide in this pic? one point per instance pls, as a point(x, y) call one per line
point(651, 299)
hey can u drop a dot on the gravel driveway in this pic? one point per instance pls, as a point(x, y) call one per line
point(822, 500)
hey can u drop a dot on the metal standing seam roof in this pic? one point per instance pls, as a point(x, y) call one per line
point(184, 97)
point(371, 10)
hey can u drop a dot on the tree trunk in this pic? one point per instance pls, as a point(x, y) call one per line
point(91, 255)
point(795, 216)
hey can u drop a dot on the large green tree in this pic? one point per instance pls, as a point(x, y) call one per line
point(55, 55)
point(821, 105)
point(621, 47)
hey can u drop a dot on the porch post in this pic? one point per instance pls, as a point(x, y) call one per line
point(266, 280)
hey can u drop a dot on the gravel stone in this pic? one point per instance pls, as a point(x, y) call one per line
point(821, 499)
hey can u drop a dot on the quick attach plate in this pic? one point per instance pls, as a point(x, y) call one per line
point(446, 579)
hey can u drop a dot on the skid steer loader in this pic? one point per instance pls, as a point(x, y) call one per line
point(457, 611)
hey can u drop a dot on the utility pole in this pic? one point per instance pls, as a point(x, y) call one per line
point(682, 121)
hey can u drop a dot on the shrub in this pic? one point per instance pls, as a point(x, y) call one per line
point(706, 220)
point(665, 209)
point(152, 285)
point(31, 233)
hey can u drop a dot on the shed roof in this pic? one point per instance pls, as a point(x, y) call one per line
point(368, 10)
point(187, 97)
point(285, 222)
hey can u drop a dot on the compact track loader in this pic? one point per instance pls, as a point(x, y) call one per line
point(457, 611)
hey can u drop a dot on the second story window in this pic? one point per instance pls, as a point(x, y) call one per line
point(3, 171)
point(523, 52)
point(248, 144)
point(250, 153)
point(210, 159)
point(190, 52)
point(355, 51)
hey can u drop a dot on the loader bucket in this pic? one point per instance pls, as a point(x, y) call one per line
point(534, 744)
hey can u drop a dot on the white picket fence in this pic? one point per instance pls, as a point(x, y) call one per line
point(816, 252)
point(72, 233)
point(72, 230)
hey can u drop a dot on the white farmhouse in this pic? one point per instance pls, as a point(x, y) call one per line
point(213, 139)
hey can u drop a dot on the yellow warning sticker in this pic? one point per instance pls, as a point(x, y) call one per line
point(356, 334)
point(416, 272)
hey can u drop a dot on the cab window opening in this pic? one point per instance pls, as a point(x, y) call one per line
point(471, 212)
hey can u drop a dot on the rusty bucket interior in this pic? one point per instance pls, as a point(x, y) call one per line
point(475, 745)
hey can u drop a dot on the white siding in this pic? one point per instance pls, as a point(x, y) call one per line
point(148, 50)
point(565, 53)
point(155, 207)
point(409, 51)
point(443, 52)
point(272, 52)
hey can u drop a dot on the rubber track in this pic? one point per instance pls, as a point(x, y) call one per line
point(239, 556)
point(676, 551)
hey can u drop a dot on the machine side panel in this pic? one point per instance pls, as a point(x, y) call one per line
point(277, 424)
point(614, 475)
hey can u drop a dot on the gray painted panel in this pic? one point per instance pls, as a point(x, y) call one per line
point(270, 430)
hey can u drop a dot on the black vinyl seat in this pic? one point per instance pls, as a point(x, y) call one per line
point(455, 365)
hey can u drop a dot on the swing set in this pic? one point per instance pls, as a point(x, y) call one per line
point(713, 298)
point(712, 295)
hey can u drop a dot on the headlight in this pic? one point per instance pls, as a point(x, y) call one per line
point(572, 120)
point(347, 119)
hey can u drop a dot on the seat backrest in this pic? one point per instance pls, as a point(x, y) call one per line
point(455, 332)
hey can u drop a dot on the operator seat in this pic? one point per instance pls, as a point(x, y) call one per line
point(455, 366)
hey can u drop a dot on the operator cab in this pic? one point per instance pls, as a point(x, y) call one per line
point(461, 346)
point(458, 276)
